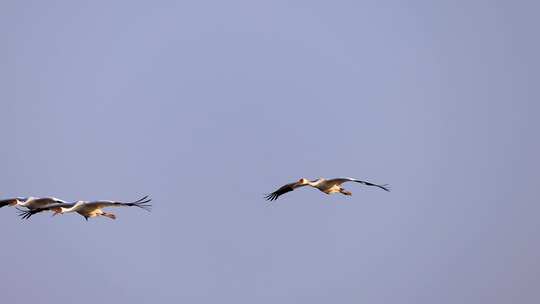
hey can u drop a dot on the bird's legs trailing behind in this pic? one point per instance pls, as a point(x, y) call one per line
point(345, 192)
point(109, 215)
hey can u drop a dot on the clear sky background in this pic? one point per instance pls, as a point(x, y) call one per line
point(207, 105)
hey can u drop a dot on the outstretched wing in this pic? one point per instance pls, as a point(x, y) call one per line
point(339, 181)
point(44, 202)
point(26, 214)
point(11, 201)
point(142, 203)
point(284, 189)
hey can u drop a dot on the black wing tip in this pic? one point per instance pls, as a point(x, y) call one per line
point(24, 214)
point(146, 197)
point(271, 196)
point(279, 192)
point(385, 187)
point(143, 203)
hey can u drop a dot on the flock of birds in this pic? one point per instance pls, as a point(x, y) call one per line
point(28, 206)
point(87, 209)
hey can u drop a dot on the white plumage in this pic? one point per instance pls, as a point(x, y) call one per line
point(327, 186)
point(89, 209)
point(31, 202)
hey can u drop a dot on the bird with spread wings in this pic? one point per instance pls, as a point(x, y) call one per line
point(88, 209)
point(31, 203)
point(327, 186)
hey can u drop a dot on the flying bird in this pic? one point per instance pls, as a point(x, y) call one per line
point(88, 209)
point(31, 202)
point(327, 186)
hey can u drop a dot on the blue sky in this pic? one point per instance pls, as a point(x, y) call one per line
point(207, 105)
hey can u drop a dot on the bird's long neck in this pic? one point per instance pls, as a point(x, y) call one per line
point(71, 209)
point(67, 210)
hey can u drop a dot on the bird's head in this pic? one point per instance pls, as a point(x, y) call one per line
point(303, 181)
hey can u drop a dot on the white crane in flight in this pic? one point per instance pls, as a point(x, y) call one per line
point(88, 209)
point(327, 186)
